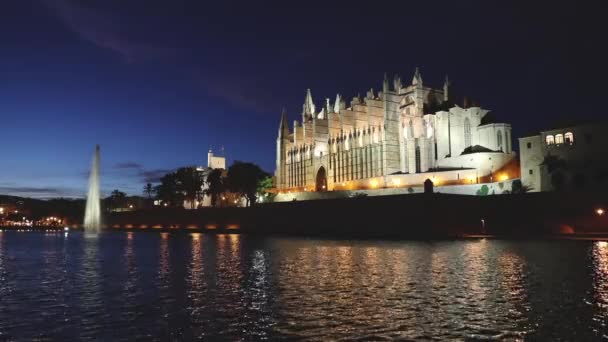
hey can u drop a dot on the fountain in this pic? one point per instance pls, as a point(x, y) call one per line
point(92, 213)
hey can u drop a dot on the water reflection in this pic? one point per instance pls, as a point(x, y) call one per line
point(196, 286)
point(89, 291)
point(600, 267)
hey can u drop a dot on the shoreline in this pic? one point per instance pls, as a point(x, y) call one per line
point(184, 231)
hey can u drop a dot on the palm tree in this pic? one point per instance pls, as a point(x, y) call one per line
point(148, 190)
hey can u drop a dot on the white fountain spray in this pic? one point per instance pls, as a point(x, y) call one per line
point(92, 213)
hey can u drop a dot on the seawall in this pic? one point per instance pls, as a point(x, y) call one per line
point(412, 215)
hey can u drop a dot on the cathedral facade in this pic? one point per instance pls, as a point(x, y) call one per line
point(399, 136)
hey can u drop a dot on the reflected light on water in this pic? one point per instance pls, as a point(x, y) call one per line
point(600, 265)
point(174, 286)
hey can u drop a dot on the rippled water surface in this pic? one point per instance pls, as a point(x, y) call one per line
point(161, 286)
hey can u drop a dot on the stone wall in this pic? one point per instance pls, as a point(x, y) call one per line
point(495, 188)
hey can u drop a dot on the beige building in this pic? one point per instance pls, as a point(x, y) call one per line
point(570, 157)
point(397, 137)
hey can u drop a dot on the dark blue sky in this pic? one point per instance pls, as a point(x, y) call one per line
point(158, 82)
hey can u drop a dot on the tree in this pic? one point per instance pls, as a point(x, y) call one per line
point(148, 190)
point(190, 183)
point(169, 190)
point(264, 185)
point(244, 179)
point(215, 185)
point(117, 199)
point(483, 191)
point(518, 188)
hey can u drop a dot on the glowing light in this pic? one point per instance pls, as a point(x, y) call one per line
point(165, 204)
point(223, 198)
point(396, 181)
point(1, 210)
point(233, 226)
point(373, 183)
point(130, 206)
point(343, 184)
point(503, 177)
point(66, 228)
point(599, 211)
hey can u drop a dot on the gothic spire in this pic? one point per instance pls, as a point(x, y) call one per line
point(337, 104)
point(283, 129)
point(385, 87)
point(309, 106)
point(417, 77)
point(446, 87)
point(397, 82)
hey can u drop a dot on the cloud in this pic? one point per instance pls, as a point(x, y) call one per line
point(105, 29)
point(153, 176)
point(137, 170)
point(38, 192)
point(128, 165)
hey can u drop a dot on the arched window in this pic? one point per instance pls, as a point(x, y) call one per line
point(550, 140)
point(559, 139)
point(499, 140)
point(569, 138)
point(467, 132)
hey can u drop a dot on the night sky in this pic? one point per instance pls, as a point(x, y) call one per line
point(156, 83)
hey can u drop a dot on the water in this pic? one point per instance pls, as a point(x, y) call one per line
point(153, 286)
point(92, 213)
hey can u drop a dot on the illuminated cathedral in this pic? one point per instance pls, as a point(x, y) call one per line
point(399, 136)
